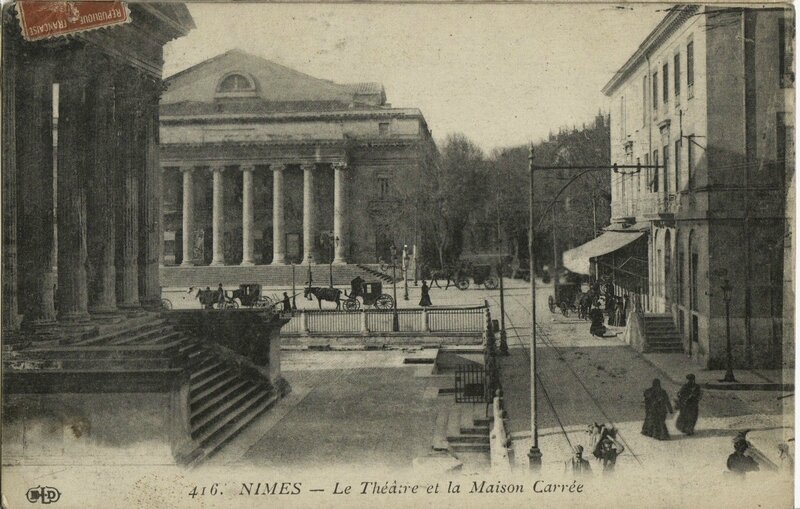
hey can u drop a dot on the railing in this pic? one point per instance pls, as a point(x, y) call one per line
point(499, 444)
point(366, 321)
point(649, 203)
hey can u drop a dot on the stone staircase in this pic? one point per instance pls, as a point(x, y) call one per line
point(463, 429)
point(131, 356)
point(660, 333)
point(267, 275)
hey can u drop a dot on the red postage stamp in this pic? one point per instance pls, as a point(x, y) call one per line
point(45, 19)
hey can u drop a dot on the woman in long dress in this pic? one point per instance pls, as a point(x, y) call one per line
point(688, 404)
point(656, 403)
point(425, 301)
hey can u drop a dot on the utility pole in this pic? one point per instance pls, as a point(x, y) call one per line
point(555, 252)
point(534, 455)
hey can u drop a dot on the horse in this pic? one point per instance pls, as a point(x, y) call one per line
point(329, 294)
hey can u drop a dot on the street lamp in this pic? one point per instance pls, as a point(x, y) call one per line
point(395, 318)
point(726, 295)
point(406, 259)
point(503, 338)
point(294, 293)
point(534, 455)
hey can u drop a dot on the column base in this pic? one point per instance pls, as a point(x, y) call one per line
point(247, 263)
point(74, 317)
point(307, 261)
point(339, 261)
point(190, 263)
point(278, 260)
point(216, 263)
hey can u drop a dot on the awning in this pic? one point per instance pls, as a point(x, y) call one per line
point(577, 260)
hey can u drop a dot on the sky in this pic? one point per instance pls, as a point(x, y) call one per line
point(501, 74)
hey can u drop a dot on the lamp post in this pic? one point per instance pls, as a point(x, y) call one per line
point(726, 295)
point(534, 455)
point(503, 338)
point(395, 318)
point(406, 259)
point(294, 293)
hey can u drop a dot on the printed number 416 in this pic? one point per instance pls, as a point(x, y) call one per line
point(212, 490)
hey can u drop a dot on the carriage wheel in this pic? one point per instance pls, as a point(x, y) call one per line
point(491, 283)
point(166, 304)
point(564, 309)
point(264, 302)
point(232, 304)
point(462, 284)
point(351, 305)
point(384, 302)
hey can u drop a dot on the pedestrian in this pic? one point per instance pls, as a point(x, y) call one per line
point(656, 403)
point(610, 309)
point(220, 296)
point(597, 328)
point(738, 462)
point(287, 305)
point(608, 449)
point(688, 403)
point(626, 302)
point(619, 314)
point(425, 300)
point(578, 464)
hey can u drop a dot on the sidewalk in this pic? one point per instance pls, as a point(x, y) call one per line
point(676, 366)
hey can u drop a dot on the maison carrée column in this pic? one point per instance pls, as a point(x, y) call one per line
point(218, 216)
point(247, 215)
point(309, 216)
point(339, 206)
point(188, 215)
point(278, 221)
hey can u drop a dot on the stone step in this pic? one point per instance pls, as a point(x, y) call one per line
point(222, 412)
point(467, 447)
point(468, 439)
point(209, 404)
point(219, 371)
point(200, 397)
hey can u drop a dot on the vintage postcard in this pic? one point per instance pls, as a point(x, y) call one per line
point(398, 255)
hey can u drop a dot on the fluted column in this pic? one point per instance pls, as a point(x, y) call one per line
point(100, 221)
point(72, 301)
point(339, 208)
point(34, 145)
point(278, 221)
point(247, 215)
point(188, 215)
point(218, 216)
point(309, 216)
point(127, 199)
point(150, 237)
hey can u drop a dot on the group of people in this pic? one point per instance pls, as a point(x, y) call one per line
point(657, 404)
point(606, 449)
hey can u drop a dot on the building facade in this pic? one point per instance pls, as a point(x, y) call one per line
point(266, 165)
point(708, 98)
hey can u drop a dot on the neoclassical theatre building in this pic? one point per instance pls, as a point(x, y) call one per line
point(265, 165)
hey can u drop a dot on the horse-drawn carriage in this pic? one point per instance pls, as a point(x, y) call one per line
point(369, 292)
point(461, 274)
point(247, 295)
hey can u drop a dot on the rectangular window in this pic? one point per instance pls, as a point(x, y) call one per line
point(681, 261)
point(677, 156)
point(690, 160)
point(644, 174)
point(383, 128)
point(665, 152)
point(665, 77)
point(690, 69)
point(676, 76)
point(655, 90)
point(654, 179)
point(786, 52)
point(693, 288)
point(383, 185)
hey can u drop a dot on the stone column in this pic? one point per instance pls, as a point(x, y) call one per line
point(278, 221)
point(188, 215)
point(10, 317)
point(73, 138)
point(247, 215)
point(127, 199)
point(339, 207)
point(100, 221)
point(309, 216)
point(218, 216)
point(150, 237)
point(34, 147)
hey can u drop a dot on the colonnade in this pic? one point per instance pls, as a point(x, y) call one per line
point(310, 232)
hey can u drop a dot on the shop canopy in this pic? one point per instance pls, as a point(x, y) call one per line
point(578, 260)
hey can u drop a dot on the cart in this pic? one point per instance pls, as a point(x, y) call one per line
point(249, 295)
point(370, 292)
point(481, 274)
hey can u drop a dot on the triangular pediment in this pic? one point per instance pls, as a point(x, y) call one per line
point(274, 84)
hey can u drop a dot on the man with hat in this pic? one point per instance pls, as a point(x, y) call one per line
point(578, 464)
point(738, 462)
point(688, 403)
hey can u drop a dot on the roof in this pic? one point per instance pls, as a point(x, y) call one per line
point(578, 260)
point(676, 16)
point(277, 85)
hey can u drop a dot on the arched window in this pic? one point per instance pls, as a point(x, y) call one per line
point(668, 265)
point(236, 85)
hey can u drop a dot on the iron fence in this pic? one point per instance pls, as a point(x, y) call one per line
point(470, 384)
point(456, 319)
